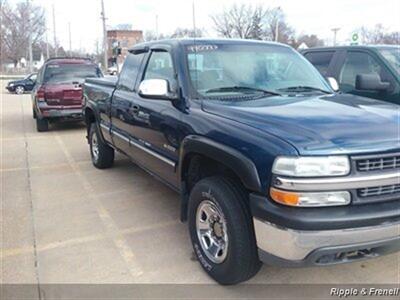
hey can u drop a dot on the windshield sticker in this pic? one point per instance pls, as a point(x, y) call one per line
point(202, 48)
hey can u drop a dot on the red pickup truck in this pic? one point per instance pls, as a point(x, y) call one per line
point(57, 94)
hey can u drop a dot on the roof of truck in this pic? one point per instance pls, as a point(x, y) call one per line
point(68, 60)
point(202, 41)
point(354, 47)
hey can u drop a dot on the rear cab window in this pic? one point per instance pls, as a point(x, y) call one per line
point(66, 73)
point(321, 60)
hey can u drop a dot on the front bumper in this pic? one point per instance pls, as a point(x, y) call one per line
point(10, 88)
point(297, 248)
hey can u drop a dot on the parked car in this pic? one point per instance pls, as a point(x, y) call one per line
point(58, 92)
point(113, 70)
point(23, 85)
point(369, 71)
point(271, 164)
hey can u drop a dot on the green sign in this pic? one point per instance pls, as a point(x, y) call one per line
point(355, 37)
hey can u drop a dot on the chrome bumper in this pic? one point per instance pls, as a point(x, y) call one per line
point(293, 245)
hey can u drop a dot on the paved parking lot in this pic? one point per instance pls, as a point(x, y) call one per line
point(63, 221)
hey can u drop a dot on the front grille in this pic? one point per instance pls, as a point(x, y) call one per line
point(378, 164)
point(379, 191)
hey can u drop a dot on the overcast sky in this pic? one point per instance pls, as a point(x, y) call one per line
point(306, 16)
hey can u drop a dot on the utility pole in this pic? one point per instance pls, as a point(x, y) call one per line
point(335, 31)
point(55, 32)
point(156, 27)
point(70, 39)
point(47, 44)
point(105, 45)
point(28, 4)
point(194, 18)
point(277, 25)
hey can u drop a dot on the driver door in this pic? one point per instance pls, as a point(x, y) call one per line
point(156, 129)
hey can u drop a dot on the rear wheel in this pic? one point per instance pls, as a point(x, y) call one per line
point(42, 125)
point(221, 230)
point(102, 154)
point(19, 90)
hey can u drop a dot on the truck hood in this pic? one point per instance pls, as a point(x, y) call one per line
point(320, 125)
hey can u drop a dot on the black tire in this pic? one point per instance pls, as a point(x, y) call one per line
point(241, 262)
point(42, 125)
point(105, 156)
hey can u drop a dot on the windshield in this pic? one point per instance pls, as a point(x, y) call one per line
point(68, 73)
point(392, 55)
point(217, 70)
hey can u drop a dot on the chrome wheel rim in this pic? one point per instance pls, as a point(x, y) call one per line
point(95, 147)
point(19, 90)
point(212, 231)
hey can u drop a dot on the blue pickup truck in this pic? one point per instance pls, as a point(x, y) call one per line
point(271, 164)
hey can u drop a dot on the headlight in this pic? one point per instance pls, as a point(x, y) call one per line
point(11, 84)
point(312, 166)
point(300, 199)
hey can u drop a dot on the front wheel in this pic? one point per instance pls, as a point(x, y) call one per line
point(222, 232)
point(102, 154)
point(19, 90)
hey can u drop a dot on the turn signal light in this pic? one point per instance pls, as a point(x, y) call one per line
point(286, 198)
point(303, 199)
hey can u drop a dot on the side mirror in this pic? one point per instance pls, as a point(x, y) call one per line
point(156, 89)
point(333, 83)
point(371, 82)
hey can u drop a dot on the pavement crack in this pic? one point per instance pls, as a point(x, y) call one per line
point(28, 172)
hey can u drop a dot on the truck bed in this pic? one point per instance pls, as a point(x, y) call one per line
point(110, 81)
point(100, 89)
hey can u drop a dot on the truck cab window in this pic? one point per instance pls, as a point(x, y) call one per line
point(130, 72)
point(321, 60)
point(357, 63)
point(160, 66)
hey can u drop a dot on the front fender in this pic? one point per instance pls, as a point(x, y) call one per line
point(241, 165)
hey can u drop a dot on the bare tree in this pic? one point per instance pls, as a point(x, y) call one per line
point(310, 40)
point(379, 35)
point(187, 33)
point(253, 22)
point(17, 22)
point(178, 33)
point(240, 21)
point(277, 27)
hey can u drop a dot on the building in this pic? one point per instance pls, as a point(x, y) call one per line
point(124, 39)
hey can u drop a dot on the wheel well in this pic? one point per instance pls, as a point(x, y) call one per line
point(89, 118)
point(197, 167)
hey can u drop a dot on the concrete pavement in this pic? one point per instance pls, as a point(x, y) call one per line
point(63, 221)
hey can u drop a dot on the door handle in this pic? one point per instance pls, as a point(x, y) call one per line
point(134, 109)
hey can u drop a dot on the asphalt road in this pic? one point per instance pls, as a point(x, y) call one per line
point(63, 221)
